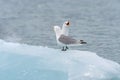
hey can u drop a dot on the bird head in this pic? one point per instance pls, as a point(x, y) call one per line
point(67, 23)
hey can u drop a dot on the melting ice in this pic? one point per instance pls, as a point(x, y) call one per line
point(25, 62)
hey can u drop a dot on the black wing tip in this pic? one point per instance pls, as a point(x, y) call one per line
point(83, 42)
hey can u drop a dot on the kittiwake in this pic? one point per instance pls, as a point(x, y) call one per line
point(63, 38)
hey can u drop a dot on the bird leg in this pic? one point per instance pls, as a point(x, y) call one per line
point(63, 49)
point(67, 47)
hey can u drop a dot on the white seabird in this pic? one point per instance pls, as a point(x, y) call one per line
point(65, 28)
point(63, 38)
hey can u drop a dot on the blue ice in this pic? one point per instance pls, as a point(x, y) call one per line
point(25, 62)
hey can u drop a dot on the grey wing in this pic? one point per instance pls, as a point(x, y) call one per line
point(67, 40)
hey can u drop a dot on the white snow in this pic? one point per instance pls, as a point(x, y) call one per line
point(78, 65)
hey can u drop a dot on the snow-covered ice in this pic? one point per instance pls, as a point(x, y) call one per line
point(26, 62)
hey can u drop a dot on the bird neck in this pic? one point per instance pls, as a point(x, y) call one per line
point(65, 30)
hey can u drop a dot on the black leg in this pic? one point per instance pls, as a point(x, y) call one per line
point(67, 47)
point(63, 49)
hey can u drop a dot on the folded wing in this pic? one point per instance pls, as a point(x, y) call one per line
point(67, 40)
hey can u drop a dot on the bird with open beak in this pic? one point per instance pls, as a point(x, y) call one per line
point(65, 28)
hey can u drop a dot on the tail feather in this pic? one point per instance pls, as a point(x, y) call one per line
point(82, 42)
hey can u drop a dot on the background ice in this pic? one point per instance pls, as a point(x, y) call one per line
point(25, 62)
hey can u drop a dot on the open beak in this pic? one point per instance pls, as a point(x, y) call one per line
point(67, 23)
